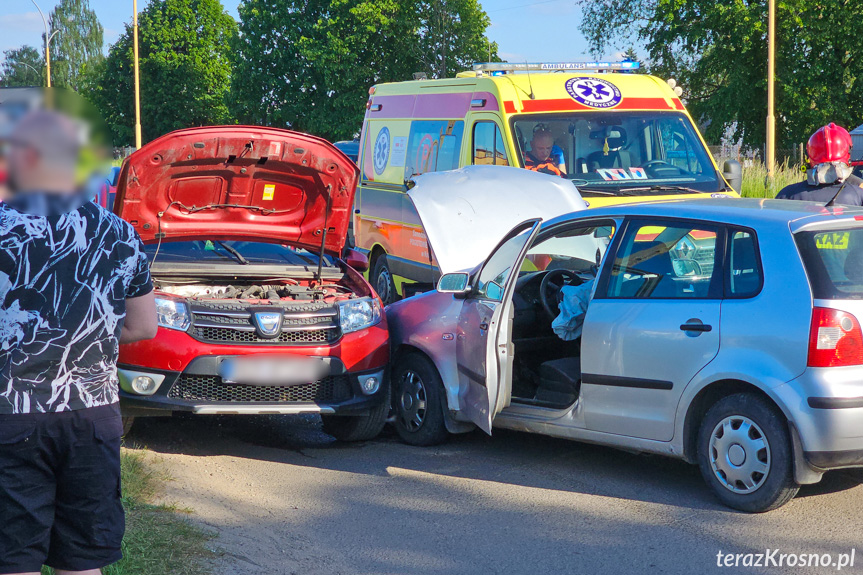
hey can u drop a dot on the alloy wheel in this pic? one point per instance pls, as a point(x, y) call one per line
point(739, 454)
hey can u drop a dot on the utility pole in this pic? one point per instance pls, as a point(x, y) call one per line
point(137, 76)
point(48, 37)
point(770, 151)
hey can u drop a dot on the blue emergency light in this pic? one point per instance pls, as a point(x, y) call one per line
point(498, 67)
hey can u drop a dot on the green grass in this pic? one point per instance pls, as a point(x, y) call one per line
point(755, 176)
point(158, 540)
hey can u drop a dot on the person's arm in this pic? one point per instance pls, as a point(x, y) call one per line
point(140, 321)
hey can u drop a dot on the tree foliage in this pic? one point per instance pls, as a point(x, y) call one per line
point(185, 66)
point(22, 67)
point(78, 43)
point(717, 50)
point(308, 64)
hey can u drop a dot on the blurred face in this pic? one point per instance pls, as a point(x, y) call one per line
point(541, 146)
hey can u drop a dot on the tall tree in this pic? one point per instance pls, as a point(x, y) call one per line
point(185, 60)
point(717, 50)
point(308, 64)
point(452, 36)
point(78, 44)
point(22, 67)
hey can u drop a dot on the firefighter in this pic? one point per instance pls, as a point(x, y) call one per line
point(829, 176)
point(541, 158)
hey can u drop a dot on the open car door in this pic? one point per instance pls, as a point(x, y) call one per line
point(484, 335)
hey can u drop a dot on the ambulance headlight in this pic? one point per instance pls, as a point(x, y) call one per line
point(173, 314)
point(357, 314)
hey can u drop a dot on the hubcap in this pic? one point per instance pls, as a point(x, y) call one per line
point(383, 283)
point(412, 403)
point(739, 454)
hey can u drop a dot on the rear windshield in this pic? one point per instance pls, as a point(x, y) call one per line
point(834, 262)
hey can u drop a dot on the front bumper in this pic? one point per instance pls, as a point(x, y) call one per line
point(199, 389)
point(826, 407)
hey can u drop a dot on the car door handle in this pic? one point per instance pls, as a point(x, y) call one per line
point(699, 327)
point(483, 326)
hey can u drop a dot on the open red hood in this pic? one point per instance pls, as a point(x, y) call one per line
point(239, 183)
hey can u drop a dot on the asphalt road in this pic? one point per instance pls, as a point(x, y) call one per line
point(285, 498)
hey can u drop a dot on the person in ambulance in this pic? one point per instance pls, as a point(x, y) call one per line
point(829, 180)
point(544, 156)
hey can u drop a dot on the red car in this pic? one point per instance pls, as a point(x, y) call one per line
point(257, 312)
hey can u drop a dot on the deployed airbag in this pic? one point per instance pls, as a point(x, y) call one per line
point(569, 323)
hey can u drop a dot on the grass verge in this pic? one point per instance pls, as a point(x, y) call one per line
point(158, 538)
point(754, 180)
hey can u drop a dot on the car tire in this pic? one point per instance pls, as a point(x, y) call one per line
point(382, 280)
point(357, 428)
point(128, 422)
point(745, 454)
point(419, 401)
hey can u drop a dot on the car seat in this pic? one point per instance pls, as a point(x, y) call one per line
point(658, 265)
point(617, 156)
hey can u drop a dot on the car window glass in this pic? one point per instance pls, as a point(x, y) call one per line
point(433, 146)
point(488, 145)
point(492, 279)
point(215, 251)
point(834, 262)
point(576, 250)
point(664, 262)
point(744, 271)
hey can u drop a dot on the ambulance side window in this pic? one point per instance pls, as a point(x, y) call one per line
point(489, 148)
point(433, 146)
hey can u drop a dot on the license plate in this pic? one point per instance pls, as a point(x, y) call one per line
point(273, 370)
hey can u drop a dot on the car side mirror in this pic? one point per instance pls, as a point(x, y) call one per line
point(455, 283)
point(732, 171)
point(357, 260)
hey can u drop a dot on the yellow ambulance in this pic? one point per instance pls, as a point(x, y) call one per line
point(616, 134)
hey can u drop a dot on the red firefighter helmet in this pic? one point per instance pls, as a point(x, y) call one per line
point(830, 143)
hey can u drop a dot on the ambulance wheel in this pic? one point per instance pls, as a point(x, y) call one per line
point(745, 454)
point(418, 401)
point(382, 280)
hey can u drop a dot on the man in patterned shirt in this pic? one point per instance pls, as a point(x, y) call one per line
point(74, 283)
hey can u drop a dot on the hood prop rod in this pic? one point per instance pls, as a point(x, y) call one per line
point(324, 238)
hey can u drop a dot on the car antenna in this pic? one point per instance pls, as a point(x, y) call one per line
point(532, 96)
point(836, 195)
point(324, 238)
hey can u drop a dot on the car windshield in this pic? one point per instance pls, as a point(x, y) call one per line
point(233, 253)
point(619, 153)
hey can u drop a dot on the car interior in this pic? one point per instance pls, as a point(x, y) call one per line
point(651, 262)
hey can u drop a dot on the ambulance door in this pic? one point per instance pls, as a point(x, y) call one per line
point(486, 141)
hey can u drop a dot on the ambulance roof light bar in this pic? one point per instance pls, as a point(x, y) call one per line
point(553, 66)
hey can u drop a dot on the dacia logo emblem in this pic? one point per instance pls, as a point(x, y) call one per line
point(268, 322)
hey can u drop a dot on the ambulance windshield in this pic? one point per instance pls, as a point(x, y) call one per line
point(618, 152)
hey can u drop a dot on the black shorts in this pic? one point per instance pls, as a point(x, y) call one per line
point(60, 490)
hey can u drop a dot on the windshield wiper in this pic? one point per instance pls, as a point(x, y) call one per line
point(233, 252)
point(657, 188)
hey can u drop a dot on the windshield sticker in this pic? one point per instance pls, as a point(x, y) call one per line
point(382, 150)
point(593, 92)
point(638, 173)
point(613, 175)
point(269, 191)
point(399, 153)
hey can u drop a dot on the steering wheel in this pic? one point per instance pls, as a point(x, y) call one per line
point(662, 165)
point(549, 289)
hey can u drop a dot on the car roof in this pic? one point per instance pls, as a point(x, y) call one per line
point(750, 212)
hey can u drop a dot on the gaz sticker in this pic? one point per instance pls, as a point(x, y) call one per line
point(269, 191)
point(832, 241)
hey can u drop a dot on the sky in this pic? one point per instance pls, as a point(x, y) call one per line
point(525, 30)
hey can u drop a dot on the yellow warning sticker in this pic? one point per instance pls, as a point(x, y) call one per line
point(269, 190)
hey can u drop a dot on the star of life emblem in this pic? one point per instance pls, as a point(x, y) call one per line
point(381, 153)
point(593, 92)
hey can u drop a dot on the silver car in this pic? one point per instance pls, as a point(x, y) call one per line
point(725, 332)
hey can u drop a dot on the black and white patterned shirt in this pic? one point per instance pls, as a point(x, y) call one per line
point(64, 280)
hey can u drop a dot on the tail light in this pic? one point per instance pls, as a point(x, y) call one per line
point(835, 339)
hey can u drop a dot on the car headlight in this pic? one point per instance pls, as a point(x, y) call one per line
point(357, 314)
point(173, 314)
